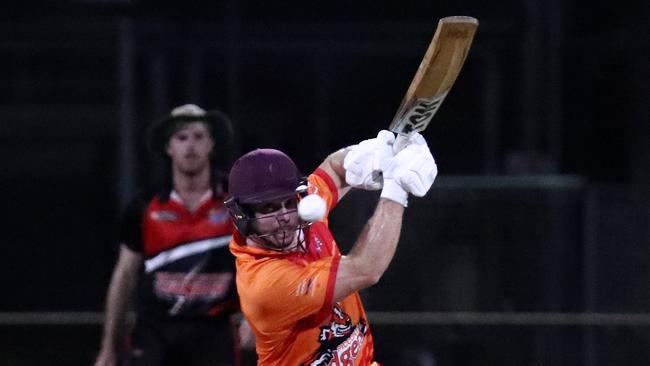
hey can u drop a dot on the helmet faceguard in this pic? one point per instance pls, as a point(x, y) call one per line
point(267, 176)
point(285, 238)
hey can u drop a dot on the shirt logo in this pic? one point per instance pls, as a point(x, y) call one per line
point(306, 287)
point(318, 244)
point(164, 215)
point(340, 340)
point(218, 216)
point(186, 291)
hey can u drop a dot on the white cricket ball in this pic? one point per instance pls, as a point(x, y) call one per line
point(312, 208)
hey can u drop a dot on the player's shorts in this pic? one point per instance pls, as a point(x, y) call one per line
point(182, 342)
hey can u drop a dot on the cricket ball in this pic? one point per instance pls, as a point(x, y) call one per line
point(312, 208)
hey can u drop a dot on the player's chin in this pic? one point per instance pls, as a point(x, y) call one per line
point(192, 167)
point(283, 239)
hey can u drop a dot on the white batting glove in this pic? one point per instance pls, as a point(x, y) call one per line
point(413, 169)
point(393, 191)
point(365, 161)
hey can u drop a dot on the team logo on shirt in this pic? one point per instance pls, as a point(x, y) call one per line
point(218, 216)
point(191, 292)
point(163, 215)
point(340, 340)
point(318, 243)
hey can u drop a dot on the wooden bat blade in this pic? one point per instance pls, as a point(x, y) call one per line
point(436, 74)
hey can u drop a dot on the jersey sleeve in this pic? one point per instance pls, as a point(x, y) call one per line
point(130, 233)
point(322, 184)
point(285, 292)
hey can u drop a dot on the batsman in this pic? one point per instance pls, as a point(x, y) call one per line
point(299, 293)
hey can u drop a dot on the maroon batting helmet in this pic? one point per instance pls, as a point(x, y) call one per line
point(263, 175)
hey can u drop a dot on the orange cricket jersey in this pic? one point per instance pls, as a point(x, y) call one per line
point(287, 299)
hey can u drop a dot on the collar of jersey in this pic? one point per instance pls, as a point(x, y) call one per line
point(174, 196)
point(240, 247)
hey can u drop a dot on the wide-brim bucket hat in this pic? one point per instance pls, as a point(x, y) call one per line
point(219, 124)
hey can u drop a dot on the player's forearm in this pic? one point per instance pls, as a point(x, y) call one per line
point(116, 307)
point(376, 245)
point(373, 251)
point(120, 292)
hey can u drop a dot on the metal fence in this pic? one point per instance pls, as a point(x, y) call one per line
point(489, 271)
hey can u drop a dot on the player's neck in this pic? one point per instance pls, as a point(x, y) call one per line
point(191, 183)
point(251, 243)
point(191, 188)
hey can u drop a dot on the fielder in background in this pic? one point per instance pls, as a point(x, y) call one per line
point(297, 291)
point(174, 254)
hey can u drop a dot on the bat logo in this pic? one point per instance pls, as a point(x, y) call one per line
point(423, 112)
point(418, 116)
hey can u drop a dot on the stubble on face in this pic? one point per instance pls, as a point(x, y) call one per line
point(280, 230)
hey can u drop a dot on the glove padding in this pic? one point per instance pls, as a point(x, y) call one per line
point(413, 168)
point(365, 161)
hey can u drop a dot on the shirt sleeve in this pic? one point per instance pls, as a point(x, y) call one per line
point(284, 292)
point(130, 233)
point(322, 184)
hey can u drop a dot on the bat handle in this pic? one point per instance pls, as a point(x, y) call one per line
point(400, 142)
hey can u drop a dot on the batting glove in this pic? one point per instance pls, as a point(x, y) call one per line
point(413, 168)
point(365, 161)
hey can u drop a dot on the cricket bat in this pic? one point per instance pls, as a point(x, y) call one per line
point(436, 74)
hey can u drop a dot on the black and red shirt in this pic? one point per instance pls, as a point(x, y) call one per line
point(188, 270)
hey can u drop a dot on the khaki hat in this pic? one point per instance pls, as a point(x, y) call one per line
point(161, 130)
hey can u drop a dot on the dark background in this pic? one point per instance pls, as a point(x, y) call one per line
point(543, 146)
